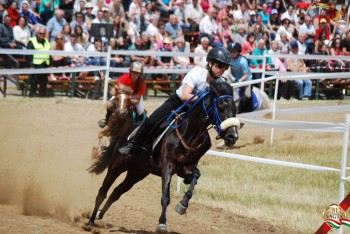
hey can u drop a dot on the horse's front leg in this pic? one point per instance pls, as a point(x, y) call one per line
point(102, 193)
point(166, 180)
point(181, 207)
point(133, 176)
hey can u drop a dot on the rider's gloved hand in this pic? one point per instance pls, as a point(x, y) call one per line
point(102, 123)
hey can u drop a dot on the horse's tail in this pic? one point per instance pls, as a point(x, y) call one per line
point(102, 162)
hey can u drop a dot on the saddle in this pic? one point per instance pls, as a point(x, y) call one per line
point(157, 133)
point(136, 117)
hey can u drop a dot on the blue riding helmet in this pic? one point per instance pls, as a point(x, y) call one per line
point(219, 54)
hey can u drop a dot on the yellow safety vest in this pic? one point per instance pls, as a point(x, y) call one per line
point(41, 58)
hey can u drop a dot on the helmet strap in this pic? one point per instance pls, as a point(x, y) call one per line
point(210, 70)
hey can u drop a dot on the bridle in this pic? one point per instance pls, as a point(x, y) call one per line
point(123, 99)
point(214, 120)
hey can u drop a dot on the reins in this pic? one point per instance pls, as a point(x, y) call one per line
point(215, 123)
point(188, 148)
point(200, 95)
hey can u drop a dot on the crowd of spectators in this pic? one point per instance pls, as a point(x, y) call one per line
point(162, 25)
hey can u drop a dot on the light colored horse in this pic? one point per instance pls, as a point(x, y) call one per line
point(260, 100)
point(253, 99)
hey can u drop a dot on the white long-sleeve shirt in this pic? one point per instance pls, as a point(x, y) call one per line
point(21, 34)
point(208, 25)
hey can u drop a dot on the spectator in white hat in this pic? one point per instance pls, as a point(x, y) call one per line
point(88, 16)
point(252, 19)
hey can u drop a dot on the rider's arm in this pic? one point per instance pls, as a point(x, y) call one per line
point(244, 77)
point(187, 93)
point(136, 100)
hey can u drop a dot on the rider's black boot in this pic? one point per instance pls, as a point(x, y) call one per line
point(103, 122)
point(129, 147)
point(140, 117)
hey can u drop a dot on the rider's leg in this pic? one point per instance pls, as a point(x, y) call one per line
point(136, 141)
point(143, 133)
point(140, 110)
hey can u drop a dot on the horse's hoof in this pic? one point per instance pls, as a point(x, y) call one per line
point(161, 228)
point(180, 208)
point(98, 217)
point(88, 227)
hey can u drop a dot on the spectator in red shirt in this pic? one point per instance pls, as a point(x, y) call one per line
point(13, 13)
point(323, 27)
point(249, 45)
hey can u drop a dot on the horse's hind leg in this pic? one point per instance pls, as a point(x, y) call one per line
point(183, 204)
point(166, 180)
point(111, 176)
point(133, 176)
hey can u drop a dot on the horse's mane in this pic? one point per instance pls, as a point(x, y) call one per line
point(124, 89)
point(220, 88)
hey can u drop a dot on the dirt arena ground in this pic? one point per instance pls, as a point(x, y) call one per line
point(45, 147)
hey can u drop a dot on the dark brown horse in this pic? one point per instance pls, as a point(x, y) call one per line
point(186, 140)
point(120, 120)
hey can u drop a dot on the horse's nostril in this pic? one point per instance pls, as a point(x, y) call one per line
point(231, 137)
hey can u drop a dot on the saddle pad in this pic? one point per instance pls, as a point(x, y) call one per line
point(255, 101)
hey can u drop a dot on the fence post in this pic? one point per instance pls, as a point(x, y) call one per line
point(344, 158)
point(344, 162)
point(262, 86)
point(317, 91)
point(274, 105)
point(73, 85)
point(174, 83)
point(108, 61)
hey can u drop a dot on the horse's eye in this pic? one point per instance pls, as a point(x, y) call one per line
point(222, 105)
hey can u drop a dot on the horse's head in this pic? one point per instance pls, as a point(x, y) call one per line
point(123, 101)
point(222, 113)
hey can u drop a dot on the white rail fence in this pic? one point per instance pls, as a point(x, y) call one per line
point(152, 70)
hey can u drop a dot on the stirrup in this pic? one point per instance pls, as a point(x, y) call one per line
point(130, 147)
